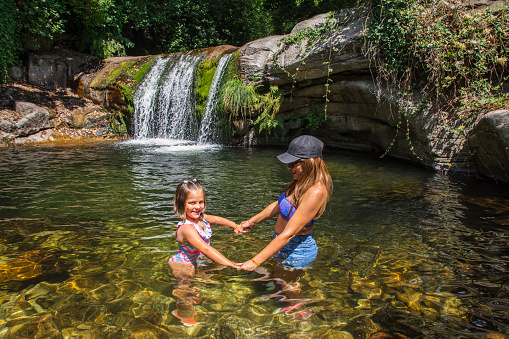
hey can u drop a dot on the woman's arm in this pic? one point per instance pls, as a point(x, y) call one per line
point(310, 205)
point(268, 212)
point(190, 234)
point(215, 220)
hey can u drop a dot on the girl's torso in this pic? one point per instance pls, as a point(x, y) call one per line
point(187, 252)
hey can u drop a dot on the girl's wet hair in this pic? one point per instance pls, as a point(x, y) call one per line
point(181, 194)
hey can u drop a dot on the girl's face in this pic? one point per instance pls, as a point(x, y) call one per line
point(195, 204)
point(296, 168)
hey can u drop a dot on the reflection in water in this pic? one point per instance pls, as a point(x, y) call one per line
point(87, 232)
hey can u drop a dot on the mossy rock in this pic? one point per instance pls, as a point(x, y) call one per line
point(126, 70)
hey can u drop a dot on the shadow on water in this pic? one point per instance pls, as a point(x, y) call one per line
point(403, 253)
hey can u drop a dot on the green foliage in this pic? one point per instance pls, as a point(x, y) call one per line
point(452, 56)
point(91, 12)
point(237, 99)
point(106, 48)
point(40, 21)
point(204, 75)
point(268, 106)
point(315, 117)
point(117, 124)
point(9, 44)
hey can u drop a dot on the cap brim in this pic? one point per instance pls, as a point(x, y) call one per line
point(287, 158)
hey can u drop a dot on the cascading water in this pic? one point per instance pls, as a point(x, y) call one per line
point(208, 129)
point(165, 103)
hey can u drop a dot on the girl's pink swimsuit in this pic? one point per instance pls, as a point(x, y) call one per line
point(188, 254)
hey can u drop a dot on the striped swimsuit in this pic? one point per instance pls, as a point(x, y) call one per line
point(188, 254)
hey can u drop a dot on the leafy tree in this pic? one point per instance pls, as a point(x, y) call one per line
point(9, 39)
point(140, 27)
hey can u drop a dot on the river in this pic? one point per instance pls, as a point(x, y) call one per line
point(86, 232)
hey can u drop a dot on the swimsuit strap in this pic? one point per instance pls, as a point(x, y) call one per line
point(204, 232)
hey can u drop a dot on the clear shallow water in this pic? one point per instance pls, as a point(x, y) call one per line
point(86, 233)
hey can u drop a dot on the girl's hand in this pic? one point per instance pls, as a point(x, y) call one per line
point(248, 266)
point(246, 226)
point(238, 229)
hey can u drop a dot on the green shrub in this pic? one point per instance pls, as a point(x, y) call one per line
point(453, 55)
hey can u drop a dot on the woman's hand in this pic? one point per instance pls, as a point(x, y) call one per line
point(248, 266)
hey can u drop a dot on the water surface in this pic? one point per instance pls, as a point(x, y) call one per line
point(86, 233)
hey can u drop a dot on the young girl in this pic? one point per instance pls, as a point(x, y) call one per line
point(193, 236)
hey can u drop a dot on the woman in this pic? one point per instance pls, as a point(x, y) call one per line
point(299, 206)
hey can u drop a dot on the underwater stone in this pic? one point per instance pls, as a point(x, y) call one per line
point(233, 327)
point(31, 266)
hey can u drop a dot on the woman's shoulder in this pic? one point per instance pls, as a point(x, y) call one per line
point(318, 188)
point(317, 191)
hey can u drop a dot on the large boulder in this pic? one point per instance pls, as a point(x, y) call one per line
point(269, 60)
point(47, 70)
point(489, 141)
point(35, 119)
point(57, 70)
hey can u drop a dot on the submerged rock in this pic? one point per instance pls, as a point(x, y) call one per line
point(233, 327)
point(29, 267)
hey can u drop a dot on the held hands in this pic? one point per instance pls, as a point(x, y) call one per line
point(248, 266)
point(238, 229)
point(246, 226)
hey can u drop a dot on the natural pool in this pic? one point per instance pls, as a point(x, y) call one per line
point(86, 233)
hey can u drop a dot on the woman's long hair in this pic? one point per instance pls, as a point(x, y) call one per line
point(313, 172)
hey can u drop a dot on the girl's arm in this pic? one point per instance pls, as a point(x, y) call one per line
point(190, 234)
point(310, 205)
point(215, 220)
point(268, 212)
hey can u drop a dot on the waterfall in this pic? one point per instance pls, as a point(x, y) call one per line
point(208, 128)
point(164, 104)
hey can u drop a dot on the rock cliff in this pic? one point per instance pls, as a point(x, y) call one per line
point(360, 113)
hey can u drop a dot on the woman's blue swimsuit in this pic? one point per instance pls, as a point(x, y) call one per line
point(301, 250)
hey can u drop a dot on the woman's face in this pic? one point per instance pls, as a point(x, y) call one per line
point(296, 168)
point(195, 204)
